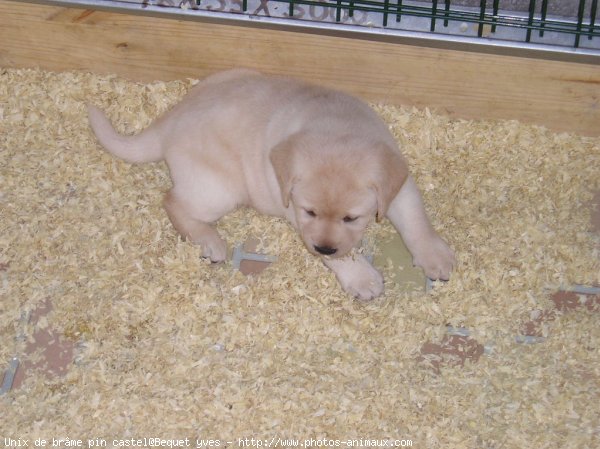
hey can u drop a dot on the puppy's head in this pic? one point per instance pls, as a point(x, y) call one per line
point(336, 187)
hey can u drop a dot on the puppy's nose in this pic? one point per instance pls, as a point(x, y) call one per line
point(326, 250)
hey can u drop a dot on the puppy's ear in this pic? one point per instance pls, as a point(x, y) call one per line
point(282, 159)
point(392, 173)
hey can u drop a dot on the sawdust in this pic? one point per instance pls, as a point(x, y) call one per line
point(172, 346)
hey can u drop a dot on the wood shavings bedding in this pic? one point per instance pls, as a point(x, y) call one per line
point(172, 346)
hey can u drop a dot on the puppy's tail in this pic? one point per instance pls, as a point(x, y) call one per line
point(144, 147)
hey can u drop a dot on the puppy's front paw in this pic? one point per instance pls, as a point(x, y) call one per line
point(357, 277)
point(366, 286)
point(435, 257)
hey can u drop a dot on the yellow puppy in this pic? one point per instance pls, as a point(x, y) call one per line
point(318, 157)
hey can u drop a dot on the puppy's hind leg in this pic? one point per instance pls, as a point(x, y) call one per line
point(197, 231)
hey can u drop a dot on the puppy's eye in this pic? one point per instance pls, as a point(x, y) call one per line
point(310, 213)
point(349, 219)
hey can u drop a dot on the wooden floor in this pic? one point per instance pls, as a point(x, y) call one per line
point(560, 95)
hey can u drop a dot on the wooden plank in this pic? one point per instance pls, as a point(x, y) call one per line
point(563, 96)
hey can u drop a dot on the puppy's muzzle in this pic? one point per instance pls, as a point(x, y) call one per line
point(325, 250)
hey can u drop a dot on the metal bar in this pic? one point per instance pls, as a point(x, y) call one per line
point(579, 22)
point(530, 20)
point(386, 5)
point(496, 7)
point(481, 18)
point(544, 14)
point(446, 12)
point(399, 11)
point(434, 5)
point(458, 331)
point(582, 289)
point(593, 12)
point(239, 255)
point(13, 366)
point(9, 376)
point(529, 339)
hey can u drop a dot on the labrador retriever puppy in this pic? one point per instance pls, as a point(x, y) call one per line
point(319, 158)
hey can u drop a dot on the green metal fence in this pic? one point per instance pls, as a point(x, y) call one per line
point(532, 23)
